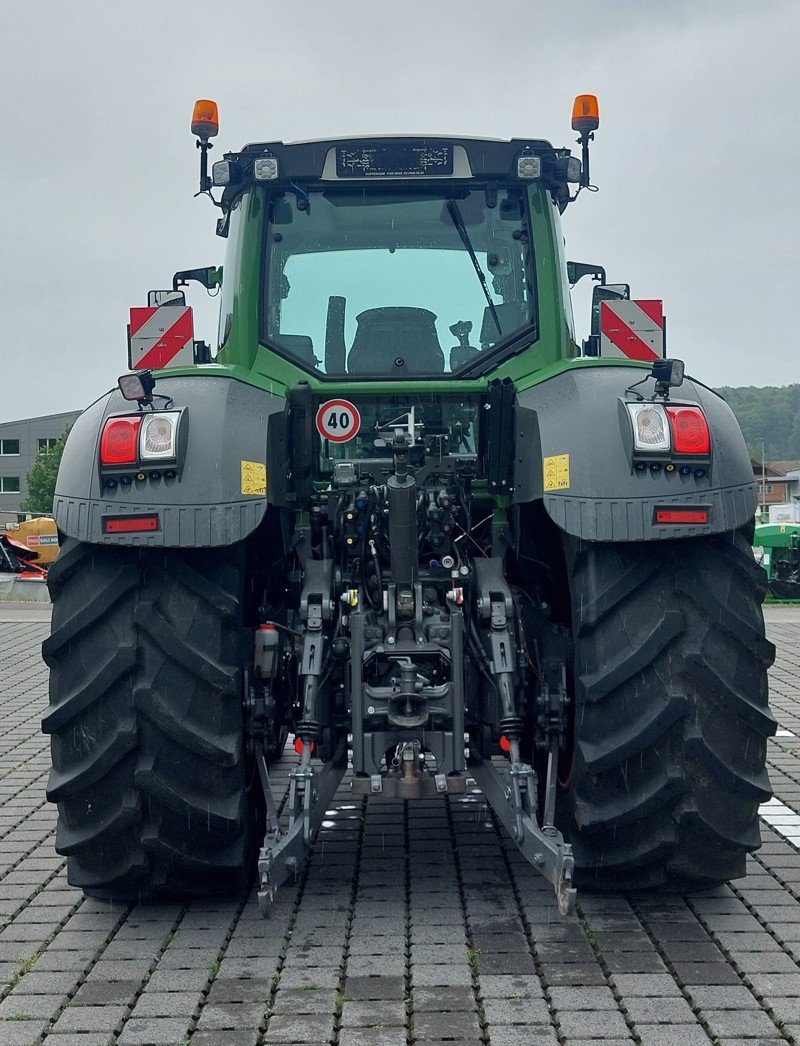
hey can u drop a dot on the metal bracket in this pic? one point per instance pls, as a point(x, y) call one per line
point(513, 798)
point(310, 793)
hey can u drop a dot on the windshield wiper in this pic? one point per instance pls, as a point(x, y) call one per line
point(458, 220)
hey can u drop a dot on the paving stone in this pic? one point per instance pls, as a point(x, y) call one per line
point(32, 1005)
point(78, 1039)
point(516, 1011)
point(90, 1018)
point(165, 1004)
point(663, 1035)
point(365, 1037)
point(596, 1024)
point(461, 1026)
point(102, 993)
point(741, 1023)
point(706, 973)
point(783, 984)
point(243, 1037)
point(387, 1013)
point(156, 1031)
point(659, 1011)
point(570, 998)
point(314, 1029)
point(293, 1001)
point(21, 1033)
point(512, 1035)
point(722, 997)
point(444, 999)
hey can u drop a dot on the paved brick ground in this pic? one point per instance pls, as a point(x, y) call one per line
point(410, 925)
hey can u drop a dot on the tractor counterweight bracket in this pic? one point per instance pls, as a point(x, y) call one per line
point(310, 792)
point(512, 796)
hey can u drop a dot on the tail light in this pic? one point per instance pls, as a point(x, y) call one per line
point(120, 441)
point(157, 440)
point(690, 433)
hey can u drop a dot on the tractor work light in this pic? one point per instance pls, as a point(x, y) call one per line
point(585, 114)
point(138, 386)
point(225, 172)
point(157, 438)
point(529, 167)
point(690, 433)
point(650, 427)
point(119, 441)
point(265, 169)
point(668, 372)
point(205, 119)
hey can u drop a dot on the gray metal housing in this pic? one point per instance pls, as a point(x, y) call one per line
point(581, 412)
point(204, 505)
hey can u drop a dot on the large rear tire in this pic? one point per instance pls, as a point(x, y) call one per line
point(146, 721)
point(671, 715)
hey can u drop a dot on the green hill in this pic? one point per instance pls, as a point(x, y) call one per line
point(771, 413)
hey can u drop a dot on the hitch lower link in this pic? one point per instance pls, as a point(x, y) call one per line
point(512, 795)
point(310, 793)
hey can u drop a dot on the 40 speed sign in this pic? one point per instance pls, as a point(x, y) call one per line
point(338, 421)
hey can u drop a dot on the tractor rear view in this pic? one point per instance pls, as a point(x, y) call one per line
point(404, 517)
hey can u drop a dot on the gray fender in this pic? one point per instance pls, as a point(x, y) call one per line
point(580, 413)
point(204, 505)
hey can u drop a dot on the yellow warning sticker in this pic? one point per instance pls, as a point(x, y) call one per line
point(556, 472)
point(254, 478)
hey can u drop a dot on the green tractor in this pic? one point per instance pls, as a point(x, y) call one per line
point(780, 545)
point(404, 517)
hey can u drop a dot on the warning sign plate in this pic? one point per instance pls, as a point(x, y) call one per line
point(161, 337)
point(254, 478)
point(338, 421)
point(556, 472)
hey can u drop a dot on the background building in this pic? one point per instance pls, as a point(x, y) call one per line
point(19, 442)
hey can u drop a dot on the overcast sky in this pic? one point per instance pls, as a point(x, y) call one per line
point(696, 158)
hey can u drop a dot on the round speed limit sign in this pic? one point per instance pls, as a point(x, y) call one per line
point(338, 421)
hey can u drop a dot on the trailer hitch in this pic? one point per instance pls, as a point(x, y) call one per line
point(310, 793)
point(512, 795)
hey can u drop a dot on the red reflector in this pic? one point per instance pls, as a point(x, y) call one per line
point(689, 430)
point(505, 744)
point(298, 745)
point(129, 524)
point(681, 515)
point(118, 444)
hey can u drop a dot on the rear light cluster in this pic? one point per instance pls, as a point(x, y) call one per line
point(140, 438)
point(665, 431)
point(132, 443)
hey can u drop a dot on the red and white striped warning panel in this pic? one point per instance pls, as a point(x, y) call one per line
point(161, 337)
point(632, 329)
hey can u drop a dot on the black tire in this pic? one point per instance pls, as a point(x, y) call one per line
point(146, 721)
point(671, 718)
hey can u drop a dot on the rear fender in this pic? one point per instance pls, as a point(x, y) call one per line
point(207, 503)
point(578, 417)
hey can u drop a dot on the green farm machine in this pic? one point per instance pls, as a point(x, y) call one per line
point(780, 556)
point(403, 516)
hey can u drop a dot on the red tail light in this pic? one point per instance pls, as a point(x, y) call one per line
point(119, 442)
point(690, 433)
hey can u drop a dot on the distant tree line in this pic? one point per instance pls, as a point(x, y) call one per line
point(771, 414)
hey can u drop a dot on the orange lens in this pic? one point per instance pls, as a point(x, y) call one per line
point(585, 113)
point(205, 118)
